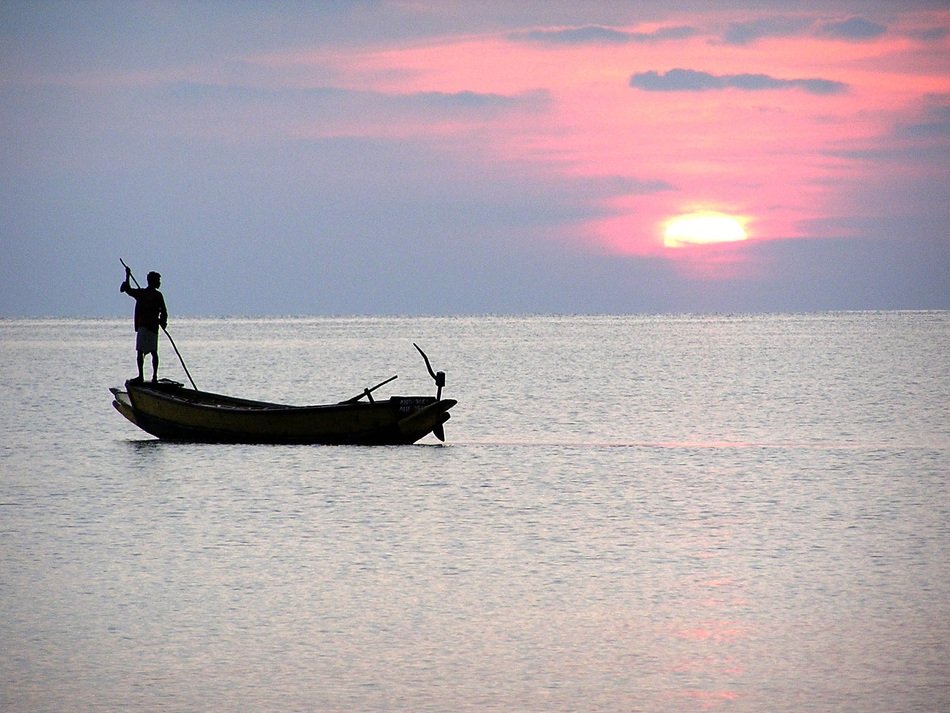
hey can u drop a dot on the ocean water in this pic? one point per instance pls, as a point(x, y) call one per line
point(643, 513)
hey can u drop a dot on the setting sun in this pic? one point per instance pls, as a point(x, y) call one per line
point(702, 228)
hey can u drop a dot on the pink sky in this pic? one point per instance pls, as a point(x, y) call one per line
point(766, 156)
point(489, 144)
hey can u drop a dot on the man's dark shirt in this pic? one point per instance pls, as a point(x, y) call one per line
point(150, 310)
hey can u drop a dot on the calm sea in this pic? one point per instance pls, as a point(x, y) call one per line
point(653, 513)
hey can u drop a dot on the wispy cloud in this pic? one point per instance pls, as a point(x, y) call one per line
point(475, 101)
point(608, 186)
point(691, 80)
point(596, 34)
point(744, 33)
point(344, 101)
point(929, 34)
point(936, 125)
point(853, 29)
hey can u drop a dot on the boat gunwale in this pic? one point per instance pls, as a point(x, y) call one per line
point(207, 400)
point(210, 400)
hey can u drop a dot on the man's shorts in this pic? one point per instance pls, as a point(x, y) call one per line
point(146, 341)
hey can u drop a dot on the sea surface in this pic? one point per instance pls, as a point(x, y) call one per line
point(640, 513)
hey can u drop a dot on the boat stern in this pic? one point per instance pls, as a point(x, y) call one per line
point(425, 416)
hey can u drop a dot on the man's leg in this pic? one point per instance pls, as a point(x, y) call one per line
point(155, 365)
point(140, 361)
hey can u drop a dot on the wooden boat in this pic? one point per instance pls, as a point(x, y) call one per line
point(169, 411)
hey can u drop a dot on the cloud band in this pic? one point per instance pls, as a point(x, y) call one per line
point(690, 80)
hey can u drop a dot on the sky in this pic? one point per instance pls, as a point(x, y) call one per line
point(458, 157)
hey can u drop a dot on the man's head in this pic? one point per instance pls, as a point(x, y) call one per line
point(154, 279)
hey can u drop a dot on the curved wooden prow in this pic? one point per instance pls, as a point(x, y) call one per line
point(437, 376)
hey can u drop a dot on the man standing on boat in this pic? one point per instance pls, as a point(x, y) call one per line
point(150, 314)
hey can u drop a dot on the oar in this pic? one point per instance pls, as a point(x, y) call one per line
point(368, 393)
point(174, 346)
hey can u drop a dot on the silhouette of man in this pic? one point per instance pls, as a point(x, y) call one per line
point(150, 314)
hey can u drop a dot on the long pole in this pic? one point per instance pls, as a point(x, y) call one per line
point(183, 366)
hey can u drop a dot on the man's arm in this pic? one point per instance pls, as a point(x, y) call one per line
point(162, 313)
point(125, 287)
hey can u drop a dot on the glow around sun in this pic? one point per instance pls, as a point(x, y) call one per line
point(703, 228)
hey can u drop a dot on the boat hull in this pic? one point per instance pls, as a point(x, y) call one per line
point(170, 412)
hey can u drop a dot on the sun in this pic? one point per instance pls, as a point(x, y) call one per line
point(703, 228)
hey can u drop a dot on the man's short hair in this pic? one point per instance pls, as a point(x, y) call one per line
point(152, 278)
